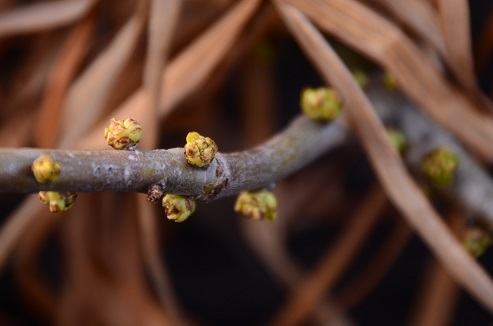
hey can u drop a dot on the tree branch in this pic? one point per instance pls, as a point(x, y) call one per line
point(109, 170)
point(472, 188)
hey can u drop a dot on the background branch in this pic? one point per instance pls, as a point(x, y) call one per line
point(472, 188)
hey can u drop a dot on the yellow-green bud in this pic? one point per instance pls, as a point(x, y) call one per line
point(397, 139)
point(123, 134)
point(321, 104)
point(58, 201)
point(45, 169)
point(178, 208)
point(199, 150)
point(477, 241)
point(361, 78)
point(257, 205)
point(390, 82)
point(439, 166)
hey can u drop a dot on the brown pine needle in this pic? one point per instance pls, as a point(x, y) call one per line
point(63, 71)
point(420, 17)
point(377, 38)
point(42, 16)
point(439, 296)
point(454, 17)
point(186, 72)
point(90, 92)
point(333, 263)
point(160, 29)
point(371, 275)
point(398, 185)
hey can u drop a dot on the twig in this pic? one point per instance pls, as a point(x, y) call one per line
point(84, 171)
point(472, 188)
point(180, 79)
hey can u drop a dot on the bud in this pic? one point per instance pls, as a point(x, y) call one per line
point(439, 166)
point(123, 134)
point(58, 201)
point(477, 241)
point(178, 208)
point(361, 78)
point(397, 139)
point(199, 150)
point(257, 205)
point(390, 82)
point(45, 169)
point(321, 104)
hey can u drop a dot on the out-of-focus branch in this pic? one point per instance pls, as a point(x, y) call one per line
point(399, 186)
point(472, 188)
point(86, 171)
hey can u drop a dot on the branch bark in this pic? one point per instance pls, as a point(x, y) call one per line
point(109, 170)
point(472, 187)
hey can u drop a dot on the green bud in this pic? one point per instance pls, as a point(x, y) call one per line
point(321, 104)
point(199, 150)
point(477, 241)
point(257, 205)
point(397, 139)
point(439, 166)
point(58, 201)
point(390, 82)
point(361, 78)
point(123, 134)
point(178, 208)
point(45, 169)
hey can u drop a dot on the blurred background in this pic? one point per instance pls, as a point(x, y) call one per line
point(111, 262)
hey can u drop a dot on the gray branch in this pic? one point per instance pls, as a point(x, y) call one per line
point(110, 170)
point(472, 188)
point(295, 147)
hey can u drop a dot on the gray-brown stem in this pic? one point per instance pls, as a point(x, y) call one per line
point(472, 188)
point(110, 170)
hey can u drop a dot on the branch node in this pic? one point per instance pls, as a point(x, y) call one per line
point(154, 193)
